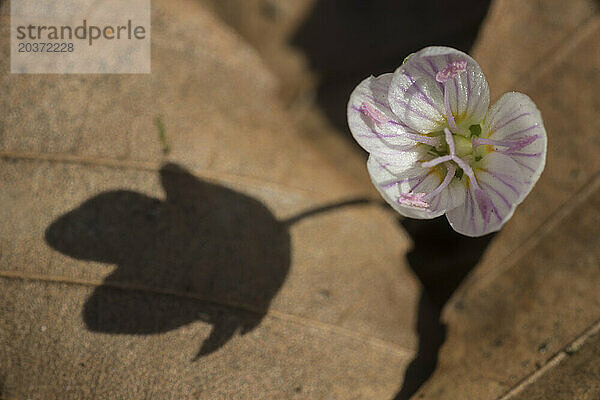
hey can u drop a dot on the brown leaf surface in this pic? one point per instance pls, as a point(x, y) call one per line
point(119, 264)
point(117, 261)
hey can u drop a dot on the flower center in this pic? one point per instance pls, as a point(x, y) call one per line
point(463, 145)
point(457, 165)
point(462, 151)
point(458, 150)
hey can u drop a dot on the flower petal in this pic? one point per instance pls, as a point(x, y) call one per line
point(417, 98)
point(375, 126)
point(504, 183)
point(515, 117)
point(416, 180)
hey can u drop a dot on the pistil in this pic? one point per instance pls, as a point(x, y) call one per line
point(450, 157)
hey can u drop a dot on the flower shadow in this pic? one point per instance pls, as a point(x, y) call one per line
point(224, 253)
point(203, 253)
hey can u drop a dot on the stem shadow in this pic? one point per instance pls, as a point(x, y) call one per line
point(441, 259)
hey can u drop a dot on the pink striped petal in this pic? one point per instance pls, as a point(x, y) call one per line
point(515, 118)
point(399, 191)
point(375, 126)
point(417, 98)
point(503, 184)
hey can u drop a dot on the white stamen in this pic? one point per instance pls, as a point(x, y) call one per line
point(449, 115)
point(511, 145)
point(373, 113)
point(413, 200)
point(451, 71)
point(447, 179)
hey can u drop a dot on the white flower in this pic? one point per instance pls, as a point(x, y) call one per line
point(436, 148)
